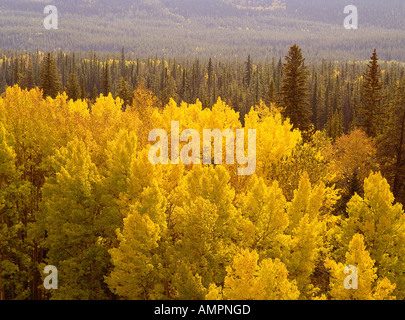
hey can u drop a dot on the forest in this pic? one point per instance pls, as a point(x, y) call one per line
point(209, 28)
point(77, 190)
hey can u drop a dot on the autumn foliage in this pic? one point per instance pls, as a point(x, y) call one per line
point(77, 191)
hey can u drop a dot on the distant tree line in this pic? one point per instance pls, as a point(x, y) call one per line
point(332, 90)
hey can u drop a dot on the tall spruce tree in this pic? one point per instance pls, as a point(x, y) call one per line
point(125, 92)
point(106, 80)
point(370, 110)
point(210, 82)
point(294, 91)
point(73, 88)
point(49, 78)
point(391, 144)
point(82, 88)
point(29, 82)
point(271, 93)
point(248, 72)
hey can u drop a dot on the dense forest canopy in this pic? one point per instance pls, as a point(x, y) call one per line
point(213, 28)
point(78, 190)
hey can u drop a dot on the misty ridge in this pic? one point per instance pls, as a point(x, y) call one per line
point(217, 28)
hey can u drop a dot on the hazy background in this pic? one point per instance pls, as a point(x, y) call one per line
point(215, 28)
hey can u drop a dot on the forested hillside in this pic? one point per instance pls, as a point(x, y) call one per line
point(78, 190)
point(108, 177)
point(213, 28)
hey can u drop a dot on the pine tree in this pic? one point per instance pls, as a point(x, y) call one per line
point(271, 93)
point(82, 88)
point(169, 91)
point(370, 110)
point(278, 74)
point(391, 143)
point(210, 82)
point(106, 80)
point(315, 103)
point(28, 82)
point(72, 88)
point(334, 126)
point(248, 72)
point(123, 67)
point(17, 71)
point(294, 91)
point(49, 78)
point(125, 93)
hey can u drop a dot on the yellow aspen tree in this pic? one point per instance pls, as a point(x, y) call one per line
point(106, 115)
point(73, 218)
point(275, 277)
point(15, 260)
point(307, 234)
point(197, 239)
point(277, 139)
point(265, 207)
point(144, 104)
point(137, 260)
point(204, 201)
point(382, 223)
point(241, 281)
point(134, 275)
point(369, 286)
point(247, 279)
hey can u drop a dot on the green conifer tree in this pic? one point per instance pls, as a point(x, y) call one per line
point(369, 112)
point(49, 78)
point(294, 91)
point(73, 88)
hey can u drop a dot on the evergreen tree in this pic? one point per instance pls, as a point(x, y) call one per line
point(73, 88)
point(210, 83)
point(29, 82)
point(391, 143)
point(123, 67)
point(369, 111)
point(294, 91)
point(334, 126)
point(16, 71)
point(271, 93)
point(124, 92)
point(169, 91)
point(106, 80)
point(248, 72)
point(49, 78)
point(315, 103)
point(82, 88)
